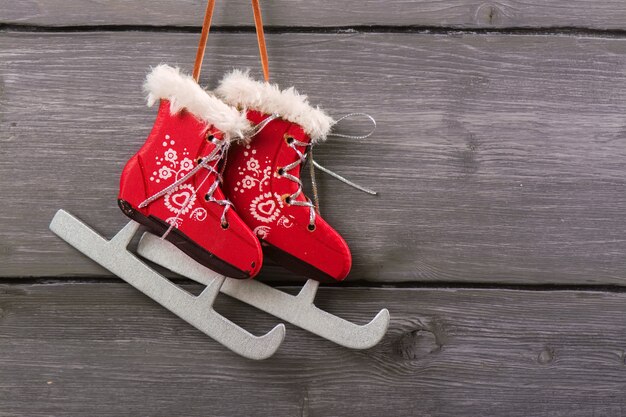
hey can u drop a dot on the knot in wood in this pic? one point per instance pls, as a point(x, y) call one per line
point(546, 356)
point(417, 344)
point(488, 14)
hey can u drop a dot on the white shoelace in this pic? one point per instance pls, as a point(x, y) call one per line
point(208, 162)
point(284, 171)
point(220, 151)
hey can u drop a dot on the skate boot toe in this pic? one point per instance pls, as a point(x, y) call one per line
point(242, 258)
point(325, 257)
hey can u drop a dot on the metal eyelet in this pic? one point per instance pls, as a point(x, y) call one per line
point(286, 198)
point(207, 197)
point(289, 139)
point(199, 161)
point(225, 225)
point(210, 138)
point(280, 172)
point(311, 227)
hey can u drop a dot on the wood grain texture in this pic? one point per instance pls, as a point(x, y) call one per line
point(605, 14)
point(106, 350)
point(498, 158)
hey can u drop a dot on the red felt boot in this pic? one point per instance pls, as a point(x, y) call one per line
point(262, 179)
point(172, 185)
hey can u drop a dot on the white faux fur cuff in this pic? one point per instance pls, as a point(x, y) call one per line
point(182, 91)
point(238, 89)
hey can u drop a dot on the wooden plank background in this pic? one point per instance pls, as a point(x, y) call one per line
point(106, 350)
point(495, 163)
point(589, 14)
point(498, 236)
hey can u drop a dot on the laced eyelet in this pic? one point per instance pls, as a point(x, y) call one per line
point(289, 139)
point(203, 163)
point(210, 138)
point(286, 198)
point(311, 227)
point(281, 171)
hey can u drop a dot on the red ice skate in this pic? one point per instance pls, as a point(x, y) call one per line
point(262, 179)
point(172, 185)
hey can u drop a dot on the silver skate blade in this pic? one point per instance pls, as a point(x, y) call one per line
point(298, 310)
point(197, 311)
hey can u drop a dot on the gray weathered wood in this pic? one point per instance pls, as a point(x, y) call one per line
point(605, 14)
point(499, 158)
point(106, 350)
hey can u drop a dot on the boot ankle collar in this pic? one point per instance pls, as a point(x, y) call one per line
point(239, 89)
point(182, 91)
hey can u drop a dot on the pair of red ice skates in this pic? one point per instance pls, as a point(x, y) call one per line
point(219, 176)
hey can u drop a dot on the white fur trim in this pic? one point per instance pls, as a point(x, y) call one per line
point(182, 91)
point(239, 89)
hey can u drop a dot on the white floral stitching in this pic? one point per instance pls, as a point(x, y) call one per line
point(265, 207)
point(172, 168)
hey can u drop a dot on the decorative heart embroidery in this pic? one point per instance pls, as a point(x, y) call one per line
point(173, 164)
point(181, 198)
point(175, 201)
point(267, 208)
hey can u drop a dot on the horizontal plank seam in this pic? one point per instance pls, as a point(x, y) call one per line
point(353, 284)
point(433, 30)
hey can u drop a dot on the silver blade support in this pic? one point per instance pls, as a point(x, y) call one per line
point(196, 310)
point(298, 310)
